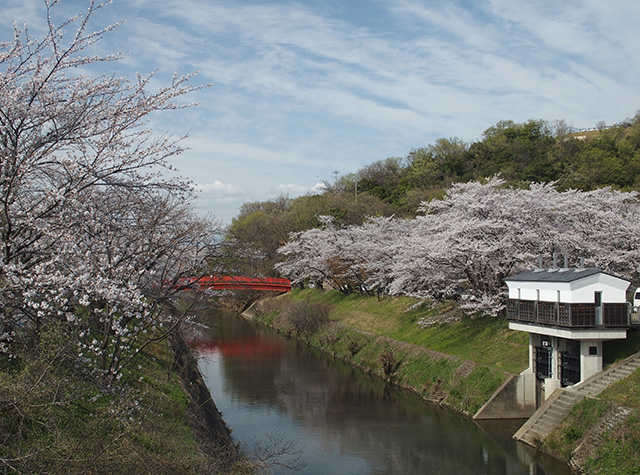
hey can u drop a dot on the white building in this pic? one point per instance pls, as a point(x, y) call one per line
point(568, 313)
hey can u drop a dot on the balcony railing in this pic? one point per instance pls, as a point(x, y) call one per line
point(572, 315)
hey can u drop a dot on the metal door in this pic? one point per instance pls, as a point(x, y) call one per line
point(569, 369)
point(543, 362)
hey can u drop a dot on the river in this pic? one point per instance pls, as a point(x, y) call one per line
point(328, 418)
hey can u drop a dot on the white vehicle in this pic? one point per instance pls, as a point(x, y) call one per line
point(636, 299)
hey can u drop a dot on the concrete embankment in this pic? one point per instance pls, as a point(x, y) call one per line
point(212, 433)
point(513, 400)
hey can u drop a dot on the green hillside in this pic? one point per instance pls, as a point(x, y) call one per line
point(521, 153)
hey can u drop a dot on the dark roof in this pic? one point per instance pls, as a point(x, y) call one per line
point(557, 275)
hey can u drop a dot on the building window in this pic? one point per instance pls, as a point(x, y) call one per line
point(598, 307)
point(593, 350)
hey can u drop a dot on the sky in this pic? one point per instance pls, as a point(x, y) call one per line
point(303, 90)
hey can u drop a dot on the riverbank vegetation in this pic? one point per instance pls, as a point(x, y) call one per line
point(93, 237)
point(455, 361)
point(617, 430)
point(464, 245)
point(57, 417)
point(453, 219)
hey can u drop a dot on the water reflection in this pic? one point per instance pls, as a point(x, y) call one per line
point(343, 420)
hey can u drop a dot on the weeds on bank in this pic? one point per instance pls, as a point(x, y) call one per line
point(624, 392)
point(55, 417)
point(484, 340)
point(302, 317)
point(620, 455)
point(388, 362)
point(621, 452)
point(565, 438)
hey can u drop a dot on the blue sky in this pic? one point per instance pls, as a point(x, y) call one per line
point(301, 89)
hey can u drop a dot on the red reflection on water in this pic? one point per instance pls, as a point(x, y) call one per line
point(235, 348)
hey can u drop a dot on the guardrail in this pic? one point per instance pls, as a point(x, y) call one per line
point(572, 315)
point(233, 282)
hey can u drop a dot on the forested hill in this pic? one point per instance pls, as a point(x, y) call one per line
point(521, 153)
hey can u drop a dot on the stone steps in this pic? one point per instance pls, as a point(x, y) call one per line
point(548, 416)
point(599, 382)
point(557, 407)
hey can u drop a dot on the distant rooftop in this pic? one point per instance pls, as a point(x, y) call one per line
point(557, 274)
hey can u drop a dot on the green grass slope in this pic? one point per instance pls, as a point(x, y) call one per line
point(55, 418)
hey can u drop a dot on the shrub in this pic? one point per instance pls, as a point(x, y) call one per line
point(389, 362)
point(354, 346)
point(303, 317)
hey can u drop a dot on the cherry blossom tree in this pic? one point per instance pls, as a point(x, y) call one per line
point(481, 233)
point(467, 243)
point(131, 258)
point(92, 233)
point(373, 250)
point(308, 254)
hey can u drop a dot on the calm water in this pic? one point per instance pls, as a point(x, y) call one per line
point(340, 420)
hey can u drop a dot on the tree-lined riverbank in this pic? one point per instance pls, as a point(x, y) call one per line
point(95, 231)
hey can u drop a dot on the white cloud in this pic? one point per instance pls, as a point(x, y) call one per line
point(293, 190)
point(319, 188)
point(219, 187)
point(301, 89)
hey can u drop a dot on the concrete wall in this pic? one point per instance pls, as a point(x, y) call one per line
point(590, 364)
point(550, 387)
point(515, 399)
point(613, 290)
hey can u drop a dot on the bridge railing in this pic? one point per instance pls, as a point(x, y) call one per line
point(234, 282)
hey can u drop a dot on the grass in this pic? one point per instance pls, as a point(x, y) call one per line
point(590, 134)
point(564, 439)
point(620, 454)
point(484, 340)
point(625, 392)
point(55, 418)
point(617, 350)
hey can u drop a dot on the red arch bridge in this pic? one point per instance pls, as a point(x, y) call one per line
point(234, 282)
